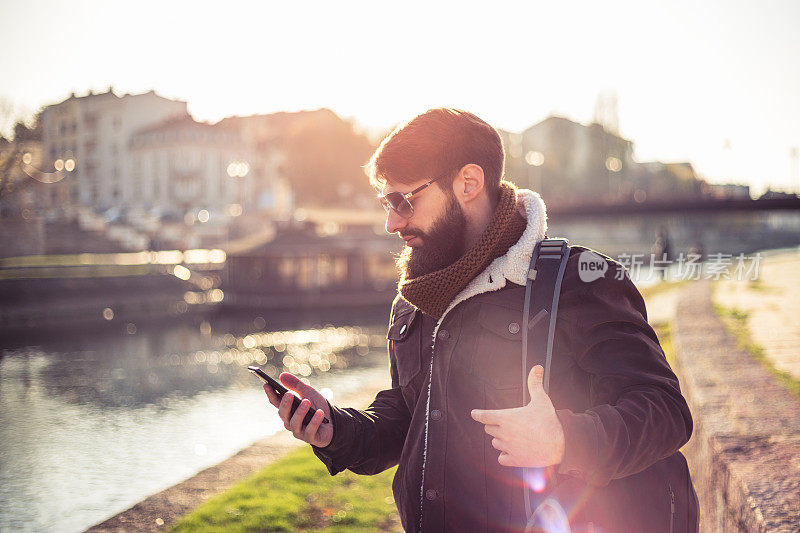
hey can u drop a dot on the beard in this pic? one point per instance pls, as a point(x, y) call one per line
point(441, 246)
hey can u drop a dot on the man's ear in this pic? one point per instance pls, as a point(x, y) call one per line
point(469, 183)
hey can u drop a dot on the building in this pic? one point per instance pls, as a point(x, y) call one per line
point(94, 130)
point(306, 264)
point(560, 157)
point(146, 152)
point(571, 163)
point(179, 165)
point(728, 190)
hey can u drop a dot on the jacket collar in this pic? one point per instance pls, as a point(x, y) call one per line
point(513, 265)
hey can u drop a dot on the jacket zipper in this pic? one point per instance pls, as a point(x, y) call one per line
point(427, 417)
point(671, 509)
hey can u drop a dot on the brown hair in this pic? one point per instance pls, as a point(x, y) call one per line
point(437, 143)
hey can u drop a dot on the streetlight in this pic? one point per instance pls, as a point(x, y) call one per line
point(61, 166)
point(236, 169)
point(239, 169)
point(614, 164)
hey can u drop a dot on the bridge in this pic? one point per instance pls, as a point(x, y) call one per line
point(726, 205)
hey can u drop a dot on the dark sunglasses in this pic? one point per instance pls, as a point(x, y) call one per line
point(399, 202)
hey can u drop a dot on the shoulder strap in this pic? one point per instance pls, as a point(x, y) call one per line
point(548, 262)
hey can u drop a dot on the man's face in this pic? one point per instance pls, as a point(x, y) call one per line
point(434, 235)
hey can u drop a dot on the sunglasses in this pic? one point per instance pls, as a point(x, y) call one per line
point(400, 202)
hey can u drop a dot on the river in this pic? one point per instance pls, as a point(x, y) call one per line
point(93, 422)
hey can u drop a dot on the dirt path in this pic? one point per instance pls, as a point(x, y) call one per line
point(772, 304)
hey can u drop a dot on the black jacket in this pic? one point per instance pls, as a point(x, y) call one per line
point(619, 403)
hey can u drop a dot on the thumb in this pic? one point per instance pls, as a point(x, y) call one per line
point(293, 382)
point(535, 378)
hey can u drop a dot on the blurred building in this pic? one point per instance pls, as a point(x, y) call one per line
point(569, 162)
point(143, 171)
point(727, 190)
point(560, 157)
point(95, 130)
point(180, 165)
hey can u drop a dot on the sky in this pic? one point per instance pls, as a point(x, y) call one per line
point(716, 83)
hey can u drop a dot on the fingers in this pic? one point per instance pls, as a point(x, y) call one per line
point(498, 444)
point(296, 423)
point(492, 430)
point(293, 382)
point(535, 379)
point(285, 408)
point(273, 397)
point(311, 429)
point(507, 460)
point(485, 417)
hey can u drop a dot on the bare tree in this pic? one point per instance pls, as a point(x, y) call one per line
point(13, 149)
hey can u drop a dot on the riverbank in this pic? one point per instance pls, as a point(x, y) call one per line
point(160, 510)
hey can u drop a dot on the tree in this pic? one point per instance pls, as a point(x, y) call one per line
point(12, 151)
point(323, 160)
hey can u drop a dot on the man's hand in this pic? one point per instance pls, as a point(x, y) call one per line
point(526, 436)
point(315, 432)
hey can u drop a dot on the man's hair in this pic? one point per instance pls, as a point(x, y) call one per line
point(439, 142)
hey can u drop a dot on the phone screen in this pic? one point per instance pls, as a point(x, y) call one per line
point(280, 389)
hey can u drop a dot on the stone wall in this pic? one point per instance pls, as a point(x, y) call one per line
point(745, 450)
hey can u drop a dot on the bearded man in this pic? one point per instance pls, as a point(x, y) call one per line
point(605, 438)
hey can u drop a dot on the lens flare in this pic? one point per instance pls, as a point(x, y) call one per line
point(535, 479)
point(549, 517)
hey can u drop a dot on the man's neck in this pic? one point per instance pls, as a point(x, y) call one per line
point(479, 220)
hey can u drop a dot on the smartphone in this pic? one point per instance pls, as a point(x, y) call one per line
point(280, 390)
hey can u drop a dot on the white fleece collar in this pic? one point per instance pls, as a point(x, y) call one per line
point(513, 265)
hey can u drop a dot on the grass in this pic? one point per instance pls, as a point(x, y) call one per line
point(735, 321)
point(663, 286)
point(664, 332)
point(297, 493)
point(662, 329)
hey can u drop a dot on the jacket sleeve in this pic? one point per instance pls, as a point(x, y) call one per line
point(368, 441)
point(639, 415)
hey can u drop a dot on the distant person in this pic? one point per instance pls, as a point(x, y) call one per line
point(697, 251)
point(662, 251)
point(608, 432)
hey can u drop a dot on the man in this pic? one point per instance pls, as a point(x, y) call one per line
point(606, 436)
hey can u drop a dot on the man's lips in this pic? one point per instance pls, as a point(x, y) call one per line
point(409, 238)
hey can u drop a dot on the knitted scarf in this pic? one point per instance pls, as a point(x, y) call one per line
point(431, 293)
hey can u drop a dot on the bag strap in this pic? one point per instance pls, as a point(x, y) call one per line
point(548, 262)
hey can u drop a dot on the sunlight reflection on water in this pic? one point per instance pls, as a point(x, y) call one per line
point(87, 431)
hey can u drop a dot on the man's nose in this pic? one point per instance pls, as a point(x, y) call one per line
point(394, 222)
